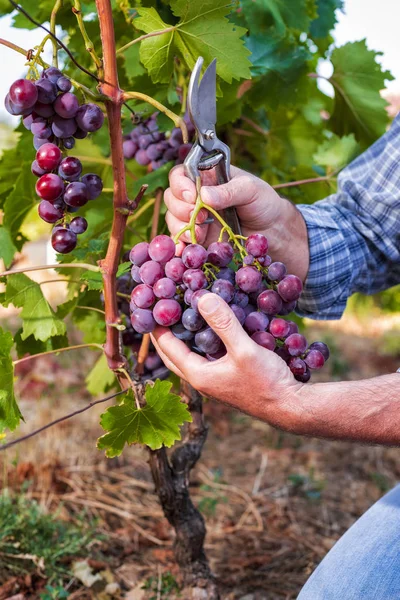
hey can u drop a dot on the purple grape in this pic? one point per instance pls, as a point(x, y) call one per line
point(63, 240)
point(248, 259)
point(139, 254)
point(181, 333)
point(48, 157)
point(293, 327)
point(76, 194)
point(49, 186)
point(153, 151)
point(220, 254)
point(11, 108)
point(150, 272)
point(23, 94)
point(70, 168)
point(227, 273)
point(187, 297)
point(48, 212)
point(69, 143)
point(129, 148)
point(217, 355)
point(36, 170)
point(164, 288)
point(248, 279)
point(195, 279)
point(183, 151)
point(135, 274)
point(239, 313)
point(162, 248)
point(224, 289)
point(314, 359)
point(256, 321)
point(63, 128)
point(143, 296)
point(279, 328)
point(44, 110)
point(167, 312)
point(287, 308)
point(170, 154)
point(296, 344)
point(323, 348)
point(53, 74)
point(64, 84)
point(297, 366)
point(192, 320)
point(207, 341)
point(290, 288)
point(89, 117)
point(283, 353)
point(174, 269)
point(27, 121)
point(80, 134)
point(194, 256)
point(249, 308)
point(66, 105)
point(269, 302)
point(153, 361)
point(142, 158)
point(38, 142)
point(196, 297)
point(38, 125)
point(257, 245)
point(142, 320)
point(240, 298)
point(305, 377)
point(276, 271)
point(144, 141)
point(78, 225)
point(264, 339)
point(47, 91)
point(156, 164)
point(94, 185)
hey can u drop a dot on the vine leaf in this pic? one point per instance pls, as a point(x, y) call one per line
point(38, 318)
point(156, 424)
point(10, 414)
point(277, 15)
point(336, 152)
point(19, 202)
point(203, 30)
point(358, 106)
point(7, 248)
point(100, 379)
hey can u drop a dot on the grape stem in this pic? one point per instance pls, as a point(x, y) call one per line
point(58, 4)
point(56, 266)
point(77, 10)
point(66, 349)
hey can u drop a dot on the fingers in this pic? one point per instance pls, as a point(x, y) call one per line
point(182, 187)
point(237, 192)
point(175, 225)
point(181, 209)
point(167, 362)
point(223, 321)
point(180, 358)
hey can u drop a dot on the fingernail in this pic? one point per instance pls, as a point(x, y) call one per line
point(209, 304)
point(187, 196)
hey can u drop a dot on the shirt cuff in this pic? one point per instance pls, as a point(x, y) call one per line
point(329, 278)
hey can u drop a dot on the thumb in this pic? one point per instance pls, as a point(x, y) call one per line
point(223, 321)
point(238, 191)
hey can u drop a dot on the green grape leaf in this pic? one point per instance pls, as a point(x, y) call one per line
point(100, 379)
point(156, 424)
point(94, 280)
point(32, 346)
point(277, 15)
point(325, 21)
point(156, 179)
point(336, 152)
point(92, 325)
point(357, 79)
point(19, 202)
point(203, 30)
point(10, 414)
point(133, 67)
point(38, 318)
point(7, 248)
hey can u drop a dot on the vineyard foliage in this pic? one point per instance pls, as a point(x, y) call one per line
point(271, 112)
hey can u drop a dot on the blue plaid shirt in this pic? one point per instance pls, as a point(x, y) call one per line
point(354, 235)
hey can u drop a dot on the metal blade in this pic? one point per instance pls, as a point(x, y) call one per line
point(193, 92)
point(207, 95)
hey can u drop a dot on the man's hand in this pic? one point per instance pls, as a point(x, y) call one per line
point(260, 210)
point(248, 377)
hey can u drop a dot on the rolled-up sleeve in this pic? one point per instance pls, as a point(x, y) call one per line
point(354, 235)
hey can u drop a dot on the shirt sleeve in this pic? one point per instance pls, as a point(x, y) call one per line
point(354, 235)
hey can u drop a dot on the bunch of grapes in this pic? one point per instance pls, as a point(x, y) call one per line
point(260, 292)
point(149, 146)
point(53, 114)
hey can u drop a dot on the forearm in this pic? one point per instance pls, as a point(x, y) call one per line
point(363, 411)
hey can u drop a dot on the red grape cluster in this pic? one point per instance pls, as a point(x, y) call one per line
point(149, 146)
point(260, 292)
point(52, 113)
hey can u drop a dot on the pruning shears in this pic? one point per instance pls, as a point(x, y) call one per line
point(208, 151)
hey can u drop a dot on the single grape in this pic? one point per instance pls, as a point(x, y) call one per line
point(142, 320)
point(63, 128)
point(89, 117)
point(195, 279)
point(139, 254)
point(293, 327)
point(194, 256)
point(187, 297)
point(248, 279)
point(314, 359)
point(207, 341)
point(176, 138)
point(164, 288)
point(143, 296)
point(144, 141)
point(132, 305)
point(296, 344)
point(48, 157)
point(276, 271)
point(135, 274)
point(240, 298)
point(63, 240)
point(53, 74)
point(249, 308)
point(150, 272)
point(76, 194)
point(80, 134)
point(94, 185)
point(39, 125)
point(70, 168)
point(279, 328)
point(49, 213)
point(36, 170)
point(220, 254)
point(167, 312)
point(156, 164)
point(287, 308)
point(66, 105)
point(239, 313)
point(68, 142)
point(153, 151)
point(78, 225)
point(227, 273)
point(129, 148)
point(194, 302)
point(181, 333)
point(305, 377)
point(290, 288)
point(170, 154)
point(47, 91)
point(283, 353)
point(64, 84)
point(11, 108)
point(174, 269)
point(256, 321)
point(248, 259)
point(153, 361)
point(162, 248)
point(224, 289)
point(142, 158)
point(49, 186)
point(257, 245)
point(264, 339)
point(323, 348)
point(23, 94)
point(269, 302)
point(192, 320)
point(44, 110)
point(297, 366)
point(28, 120)
point(39, 141)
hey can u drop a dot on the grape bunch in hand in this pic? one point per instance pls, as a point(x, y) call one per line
point(53, 114)
point(259, 292)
